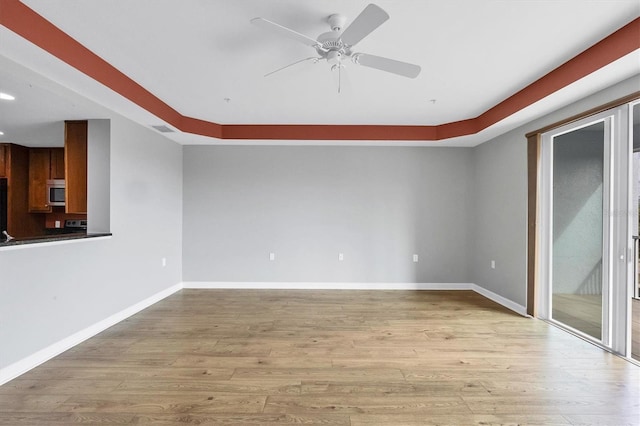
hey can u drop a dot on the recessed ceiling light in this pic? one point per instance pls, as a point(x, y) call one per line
point(1, 133)
point(6, 96)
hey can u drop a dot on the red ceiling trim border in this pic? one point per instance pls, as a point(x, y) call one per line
point(610, 49)
point(328, 132)
point(28, 24)
point(31, 26)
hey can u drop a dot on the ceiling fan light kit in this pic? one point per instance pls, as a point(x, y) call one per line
point(335, 45)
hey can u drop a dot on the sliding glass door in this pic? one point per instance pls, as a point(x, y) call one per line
point(634, 341)
point(579, 228)
point(586, 222)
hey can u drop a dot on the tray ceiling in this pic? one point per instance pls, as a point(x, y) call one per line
point(206, 61)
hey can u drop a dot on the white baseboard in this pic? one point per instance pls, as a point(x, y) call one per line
point(509, 304)
point(16, 369)
point(519, 309)
point(325, 286)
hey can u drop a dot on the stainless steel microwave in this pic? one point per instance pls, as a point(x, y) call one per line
point(56, 192)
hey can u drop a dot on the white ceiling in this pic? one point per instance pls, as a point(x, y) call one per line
point(193, 54)
point(35, 117)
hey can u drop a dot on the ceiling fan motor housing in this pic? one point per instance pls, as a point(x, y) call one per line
point(331, 47)
point(330, 40)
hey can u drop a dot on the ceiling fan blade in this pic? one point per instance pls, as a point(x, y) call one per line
point(292, 64)
point(284, 31)
point(369, 19)
point(389, 65)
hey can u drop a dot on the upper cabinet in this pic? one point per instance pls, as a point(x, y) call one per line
point(3, 161)
point(69, 164)
point(75, 162)
point(20, 223)
point(39, 165)
point(27, 171)
point(44, 164)
point(56, 165)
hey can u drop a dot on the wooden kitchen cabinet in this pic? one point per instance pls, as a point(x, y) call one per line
point(20, 223)
point(44, 164)
point(39, 169)
point(75, 162)
point(56, 167)
point(3, 160)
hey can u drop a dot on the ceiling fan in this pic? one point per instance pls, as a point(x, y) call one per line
point(336, 45)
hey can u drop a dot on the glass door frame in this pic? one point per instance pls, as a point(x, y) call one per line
point(617, 248)
point(633, 227)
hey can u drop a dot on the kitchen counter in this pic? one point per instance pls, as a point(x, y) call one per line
point(50, 239)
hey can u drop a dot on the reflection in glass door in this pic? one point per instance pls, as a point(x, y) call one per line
point(578, 264)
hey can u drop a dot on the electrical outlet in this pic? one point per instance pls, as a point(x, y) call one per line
point(415, 257)
point(493, 264)
point(57, 224)
point(272, 256)
point(340, 257)
point(164, 262)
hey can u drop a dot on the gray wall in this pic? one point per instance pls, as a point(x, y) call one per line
point(377, 205)
point(47, 293)
point(499, 223)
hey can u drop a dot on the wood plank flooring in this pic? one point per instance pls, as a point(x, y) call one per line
point(260, 357)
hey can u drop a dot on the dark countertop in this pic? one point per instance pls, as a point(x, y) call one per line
point(50, 238)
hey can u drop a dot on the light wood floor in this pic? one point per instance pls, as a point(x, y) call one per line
point(225, 357)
